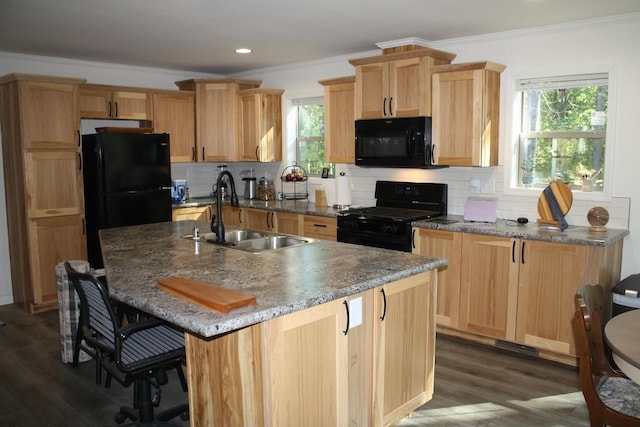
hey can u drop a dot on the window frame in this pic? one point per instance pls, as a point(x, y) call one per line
point(296, 104)
point(513, 123)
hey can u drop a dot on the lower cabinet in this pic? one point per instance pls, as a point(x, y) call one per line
point(258, 219)
point(320, 227)
point(232, 215)
point(200, 213)
point(363, 360)
point(289, 223)
point(517, 290)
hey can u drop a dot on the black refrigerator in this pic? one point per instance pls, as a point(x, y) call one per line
point(127, 181)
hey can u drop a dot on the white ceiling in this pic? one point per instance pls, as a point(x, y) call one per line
point(201, 35)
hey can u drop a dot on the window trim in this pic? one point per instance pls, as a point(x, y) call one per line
point(512, 123)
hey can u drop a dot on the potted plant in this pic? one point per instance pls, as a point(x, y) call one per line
point(528, 174)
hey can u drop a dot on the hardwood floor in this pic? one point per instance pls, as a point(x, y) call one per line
point(474, 385)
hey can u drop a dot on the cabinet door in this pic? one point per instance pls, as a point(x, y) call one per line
point(466, 117)
point(289, 223)
point(405, 336)
point(443, 244)
point(131, 105)
point(257, 219)
point(312, 342)
point(51, 241)
point(50, 116)
point(53, 183)
point(489, 285)
point(217, 121)
point(96, 102)
point(339, 116)
point(409, 94)
point(321, 227)
point(175, 114)
point(550, 274)
point(261, 126)
point(372, 90)
point(231, 215)
point(202, 213)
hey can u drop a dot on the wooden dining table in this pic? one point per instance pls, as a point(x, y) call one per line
point(622, 333)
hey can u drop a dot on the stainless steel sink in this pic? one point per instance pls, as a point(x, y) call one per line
point(270, 243)
point(254, 241)
point(235, 236)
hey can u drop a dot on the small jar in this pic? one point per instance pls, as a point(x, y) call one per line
point(266, 189)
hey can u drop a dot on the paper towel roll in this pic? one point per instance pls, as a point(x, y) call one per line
point(343, 191)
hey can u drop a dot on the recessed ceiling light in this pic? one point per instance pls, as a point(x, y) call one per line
point(243, 50)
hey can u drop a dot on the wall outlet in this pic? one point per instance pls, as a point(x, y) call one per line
point(474, 186)
point(355, 312)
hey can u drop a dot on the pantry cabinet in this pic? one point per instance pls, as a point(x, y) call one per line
point(261, 125)
point(443, 244)
point(115, 102)
point(466, 113)
point(396, 84)
point(43, 168)
point(339, 116)
point(217, 116)
point(174, 113)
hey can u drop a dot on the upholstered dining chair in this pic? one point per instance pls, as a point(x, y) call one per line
point(612, 398)
point(139, 352)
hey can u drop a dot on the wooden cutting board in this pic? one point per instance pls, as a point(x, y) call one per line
point(564, 197)
point(206, 294)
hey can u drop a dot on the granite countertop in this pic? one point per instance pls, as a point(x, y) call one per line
point(290, 206)
point(283, 281)
point(575, 235)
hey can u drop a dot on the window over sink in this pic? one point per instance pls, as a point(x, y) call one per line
point(310, 142)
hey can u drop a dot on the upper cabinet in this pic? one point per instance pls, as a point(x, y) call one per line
point(339, 115)
point(217, 113)
point(114, 102)
point(396, 83)
point(261, 125)
point(466, 113)
point(174, 113)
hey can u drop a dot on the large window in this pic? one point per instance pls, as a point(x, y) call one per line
point(563, 128)
point(310, 146)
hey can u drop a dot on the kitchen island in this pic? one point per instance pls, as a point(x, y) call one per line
point(340, 333)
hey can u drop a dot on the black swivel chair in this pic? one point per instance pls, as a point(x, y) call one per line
point(140, 352)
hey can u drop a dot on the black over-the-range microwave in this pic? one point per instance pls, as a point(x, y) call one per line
point(403, 142)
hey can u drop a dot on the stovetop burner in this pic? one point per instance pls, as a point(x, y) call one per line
point(391, 214)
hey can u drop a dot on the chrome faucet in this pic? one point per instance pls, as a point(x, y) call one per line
point(218, 227)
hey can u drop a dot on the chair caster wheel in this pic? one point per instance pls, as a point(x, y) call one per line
point(120, 418)
point(184, 416)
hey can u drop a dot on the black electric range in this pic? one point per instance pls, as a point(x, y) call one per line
point(388, 224)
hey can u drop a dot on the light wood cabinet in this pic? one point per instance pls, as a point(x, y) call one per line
point(200, 213)
point(339, 117)
point(258, 219)
point(320, 227)
point(404, 357)
point(174, 113)
point(489, 285)
point(115, 102)
point(217, 116)
point(466, 113)
point(443, 244)
point(396, 84)
point(232, 215)
point(289, 223)
point(261, 125)
point(43, 176)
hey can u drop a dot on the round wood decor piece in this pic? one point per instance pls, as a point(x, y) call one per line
point(563, 196)
point(598, 218)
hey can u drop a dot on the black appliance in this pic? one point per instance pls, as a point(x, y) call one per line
point(127, 181)
point(403, 142)
point(388, 224)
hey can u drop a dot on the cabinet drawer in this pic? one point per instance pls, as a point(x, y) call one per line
point(320, 227)
point(202, 213)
